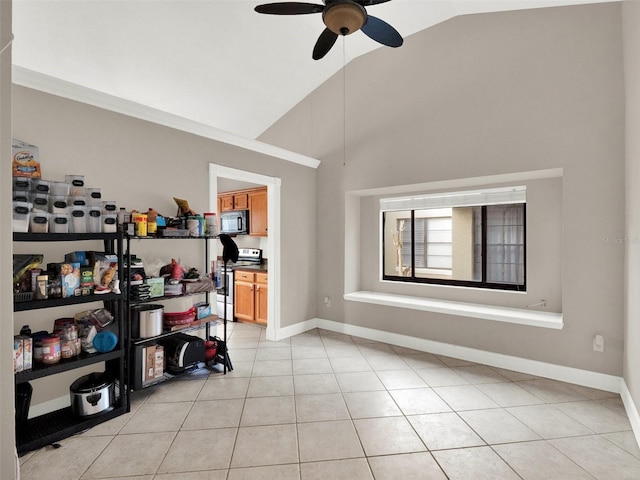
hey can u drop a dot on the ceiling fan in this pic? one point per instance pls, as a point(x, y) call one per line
point(341, 17)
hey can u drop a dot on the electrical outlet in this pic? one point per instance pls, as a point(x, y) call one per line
point(327, 302)
point(598, 343)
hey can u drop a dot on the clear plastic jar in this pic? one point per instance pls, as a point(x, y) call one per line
point(51, 350)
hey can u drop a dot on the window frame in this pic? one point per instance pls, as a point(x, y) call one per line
point(482, 283)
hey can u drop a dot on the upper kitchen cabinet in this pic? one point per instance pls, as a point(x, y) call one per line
point(254, 200)
point(258, 212)
point(233, 201)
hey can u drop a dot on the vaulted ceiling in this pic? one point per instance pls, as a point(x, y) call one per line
point(216, 62)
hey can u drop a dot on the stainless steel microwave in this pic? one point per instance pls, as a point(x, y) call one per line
point(235, 222)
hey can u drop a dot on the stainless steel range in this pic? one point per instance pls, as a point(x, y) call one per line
point(248, 257)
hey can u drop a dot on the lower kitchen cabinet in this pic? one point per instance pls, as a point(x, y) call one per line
point(261, 294)
point(251, 296)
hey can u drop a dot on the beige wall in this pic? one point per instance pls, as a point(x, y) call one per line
point(475, 96)
point(142, 165)
point(631, 39)
point(7, 441)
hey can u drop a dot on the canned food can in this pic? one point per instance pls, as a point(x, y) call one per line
point(140, 222)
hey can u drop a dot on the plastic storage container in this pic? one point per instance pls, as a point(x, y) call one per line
point(109, 206)
point(78, 219)
point(39, 222)
point(21, 196)
point(40, 186)
point(51, 350)
point(211, 224)
point(77, 200)
point(76, 184)
point(40, 201)
point(110, 223)
point(59, 223)
point(93, 196)
point(94, 218)
point(20, 219)
point(22, 183)
point(58, 204)
point(59, 188)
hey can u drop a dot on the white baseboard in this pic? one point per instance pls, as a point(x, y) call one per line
point(632, 411)
point(576, 376)
point(286, 332)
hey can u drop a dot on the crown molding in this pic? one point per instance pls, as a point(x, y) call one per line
point(61, 88)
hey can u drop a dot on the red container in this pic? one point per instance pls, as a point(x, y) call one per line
point(51, 350)
point(179, 318)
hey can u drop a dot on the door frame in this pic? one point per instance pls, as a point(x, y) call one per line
point(273, 185)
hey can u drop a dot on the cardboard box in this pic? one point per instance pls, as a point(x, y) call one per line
point(70, 275)
point(18, 354)
point(203, 310)
point(159, 361)
point(27, 352)
point(149, 365)
point(86, 277)
point(25, 161)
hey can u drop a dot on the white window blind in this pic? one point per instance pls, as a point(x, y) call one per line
point(469, 198)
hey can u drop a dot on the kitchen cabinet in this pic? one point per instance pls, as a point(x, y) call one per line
point(251, 296)
point(233, 201)
point(258, 213)
point(261, 297)
point(254, 200)
point(56, 425)
point(138, 348)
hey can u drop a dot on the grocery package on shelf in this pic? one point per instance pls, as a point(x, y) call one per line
point(152, 363)
point(25, 159)
point(47, 206)
point(86, 332)
point(91, 325)
point(81, 273)
point(25, 272)
point(22, 353)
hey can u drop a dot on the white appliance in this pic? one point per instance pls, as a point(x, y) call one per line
point(221, 298)
point(246, 257)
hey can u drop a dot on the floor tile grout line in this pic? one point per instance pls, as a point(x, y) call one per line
point(389, 391)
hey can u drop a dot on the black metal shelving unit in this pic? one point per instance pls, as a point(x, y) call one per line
point(59, 424)
point(134, 345)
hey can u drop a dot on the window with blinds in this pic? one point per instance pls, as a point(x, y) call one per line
point(478, 241)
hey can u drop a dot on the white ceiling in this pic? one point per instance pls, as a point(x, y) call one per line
point(215, 62)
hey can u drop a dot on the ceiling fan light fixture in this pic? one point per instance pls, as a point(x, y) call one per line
point(344, 18)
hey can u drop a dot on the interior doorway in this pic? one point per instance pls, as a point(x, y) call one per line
point(226, 176)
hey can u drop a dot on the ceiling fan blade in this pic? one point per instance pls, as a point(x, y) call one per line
point(289, 8)
point(366, 3)
point(323, 45)
point(381, 32)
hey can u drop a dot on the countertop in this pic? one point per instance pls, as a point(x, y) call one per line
point(251, 268)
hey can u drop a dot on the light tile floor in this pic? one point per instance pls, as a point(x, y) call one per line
point(323, 405)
